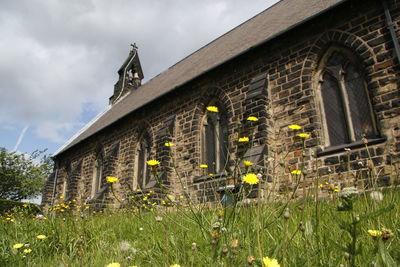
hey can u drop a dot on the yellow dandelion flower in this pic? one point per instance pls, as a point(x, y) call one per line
point(113, 264)
point(211, 175)
point(169, 144)
point(145, 198)
point(175, 265)
point(250, 178)
point(375, 233)
point(153, 162)
point(252, 118)
point(181, 197)
point(163, 202)
point(203, 166)
point(270, 262)
point(18, 245)
point(294, 127)
point(243, 139)
point(212, 108)
point(248, 163)
point(296, 172)
point(138, 190)
point(303, 135)
point(40, 237)
point(111, 179)
point(320, 185)
point(27, 251)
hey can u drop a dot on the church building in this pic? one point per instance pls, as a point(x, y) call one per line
point(328, 66)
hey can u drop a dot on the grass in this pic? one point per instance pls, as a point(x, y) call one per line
point(166, 235)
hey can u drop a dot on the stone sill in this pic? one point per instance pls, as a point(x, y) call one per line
point(340, 148)
point(204, 178)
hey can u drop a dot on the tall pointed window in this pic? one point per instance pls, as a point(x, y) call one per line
point(345, 102)
point(142, 155)
point(97, 175)
point(215, 141)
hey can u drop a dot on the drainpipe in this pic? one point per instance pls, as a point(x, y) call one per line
point(54, 185)
point(389, 23)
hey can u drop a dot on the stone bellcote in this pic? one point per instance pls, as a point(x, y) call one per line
point(130, 76)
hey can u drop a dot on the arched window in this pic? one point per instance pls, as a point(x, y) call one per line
point(97, 174)
point(142, 155)
point(345, 102)
point(215, 141)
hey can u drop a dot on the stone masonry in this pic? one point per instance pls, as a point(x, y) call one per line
point(275, 82)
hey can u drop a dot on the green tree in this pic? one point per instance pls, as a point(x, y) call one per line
point(22, 176)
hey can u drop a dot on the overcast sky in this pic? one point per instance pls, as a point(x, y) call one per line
point(59, 59)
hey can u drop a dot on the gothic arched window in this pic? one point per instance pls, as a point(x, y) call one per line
point(345, 102)
point(215, 141)
point(97, 174)
point(142, 155)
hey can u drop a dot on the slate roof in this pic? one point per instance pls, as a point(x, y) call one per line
point(265, 26)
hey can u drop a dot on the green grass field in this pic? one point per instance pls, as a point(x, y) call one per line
point(295, 234)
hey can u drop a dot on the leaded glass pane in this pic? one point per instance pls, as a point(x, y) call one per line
point(334, 111)
point(210, 144)
point(359, 103)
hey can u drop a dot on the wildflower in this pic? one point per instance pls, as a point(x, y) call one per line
point(269, 262)
point(27, 251)
point(163, 202)
point(215, 234)
point(40, 237)
point(177, 265)
point(376, 195)
point(39, 217)
point(348, 192)
point(303, 135)
point(220, 212)
point(141, 229)
point(234, 243)
point(252, 118)
point(224, 248)
point(25, 205)
point(111, 179)
point(153, 162)
point(320, 185)
point(243, 139)
point(294, 127)
point(247, 163)
point(250, 178)
point(203, 166)
point(194, 246)
point(113, 264)
point(212, 108)
point(386, 234)
point(18, 245)
point(251, 259)
point(169, 144)
point(375, 233)
point(296, 172)
point(286, 214)
point(211, 175)
point(124, 246)
point(159, 218)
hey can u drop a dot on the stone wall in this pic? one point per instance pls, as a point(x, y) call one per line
point(276, 83)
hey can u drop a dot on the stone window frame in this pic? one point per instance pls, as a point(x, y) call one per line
point(98, 172)
point(145, 179)
point(65, 185)
point(219, 120)
point(344, 98)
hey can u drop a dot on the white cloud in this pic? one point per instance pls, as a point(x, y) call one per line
point(58, 55)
